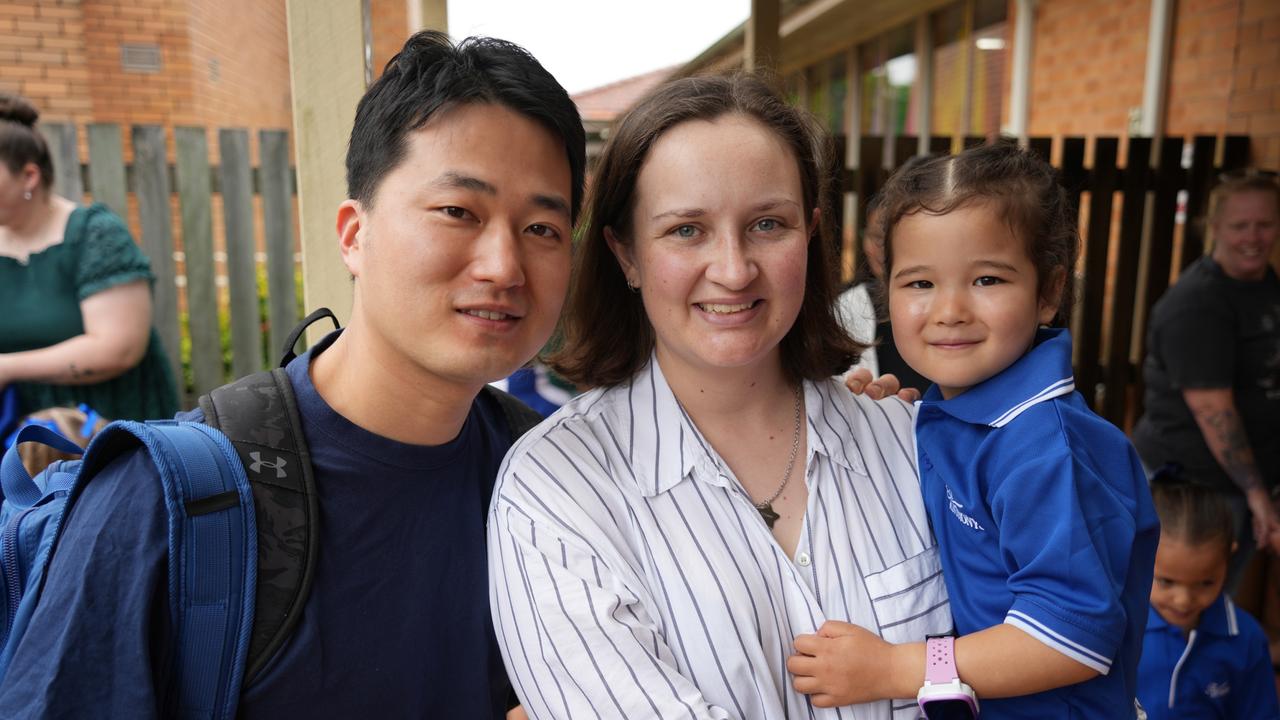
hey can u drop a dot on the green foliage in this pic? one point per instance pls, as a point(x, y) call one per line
point(266, 353)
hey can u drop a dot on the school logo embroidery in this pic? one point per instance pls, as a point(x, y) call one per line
point(1217, 690)
point(258, 463)
point(958, 510)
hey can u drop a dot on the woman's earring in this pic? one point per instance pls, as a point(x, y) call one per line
point(632, 286)
point(26, 195)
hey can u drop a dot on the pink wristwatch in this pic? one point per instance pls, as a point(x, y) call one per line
point(944, 696)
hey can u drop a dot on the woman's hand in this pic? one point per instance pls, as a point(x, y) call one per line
point(859, 382)
point(842, 665)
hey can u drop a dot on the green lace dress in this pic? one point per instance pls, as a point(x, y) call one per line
point(40, 306)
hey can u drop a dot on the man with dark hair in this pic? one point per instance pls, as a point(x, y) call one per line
point(465, 174)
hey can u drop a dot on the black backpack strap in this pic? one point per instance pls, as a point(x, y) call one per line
point(259, 414)
point(520, 417)
point(296, 333)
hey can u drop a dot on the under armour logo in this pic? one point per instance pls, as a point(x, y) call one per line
point(256, 466)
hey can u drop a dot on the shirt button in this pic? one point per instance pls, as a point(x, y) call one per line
point(803, 559)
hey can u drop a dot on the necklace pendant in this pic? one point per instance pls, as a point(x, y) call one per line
point(766, 512)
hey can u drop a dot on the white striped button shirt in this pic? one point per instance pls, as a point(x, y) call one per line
point(631, 577)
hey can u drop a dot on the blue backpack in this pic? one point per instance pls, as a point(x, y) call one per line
point(212, 546)
point(243, 528)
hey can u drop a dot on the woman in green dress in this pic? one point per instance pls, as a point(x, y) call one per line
point(75, 292)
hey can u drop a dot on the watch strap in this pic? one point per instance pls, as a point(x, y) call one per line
point(940, 660)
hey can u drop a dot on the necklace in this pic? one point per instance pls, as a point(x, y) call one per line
point(766, 507)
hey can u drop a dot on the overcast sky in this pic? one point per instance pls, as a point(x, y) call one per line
point(587, 43)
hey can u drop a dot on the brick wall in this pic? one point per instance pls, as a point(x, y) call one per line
point(222, 63)
point(239, 53)
point(1224, 71)
point(1087, 66)
point(42, 56)
point(120, 95)
point(1225, 74)
point(389, 28)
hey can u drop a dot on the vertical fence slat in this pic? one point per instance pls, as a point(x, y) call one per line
point(1169, 180)
point(65, 151)
point(904, 148)
point(1042, 146)
point(1134, 187)
point(1102, 187)
point(195, 204)
point(242, 276)
point(106, 168)
point(1200, 180)
point(277, 215)
point(1235, 152)
point(869, 179)
point(835, 195)
point(1074, 177)
point(151, 173)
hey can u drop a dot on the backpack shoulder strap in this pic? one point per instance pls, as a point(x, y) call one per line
point(520, 417)
point(259, 415)
point(212, 554)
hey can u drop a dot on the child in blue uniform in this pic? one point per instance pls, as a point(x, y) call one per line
point(1203, 657)
point(1041, 508)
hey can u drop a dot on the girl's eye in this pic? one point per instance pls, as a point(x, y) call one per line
point(455, 212)
point(767, 225)
point(987, 281)
point(919, 284)
point(686, 231)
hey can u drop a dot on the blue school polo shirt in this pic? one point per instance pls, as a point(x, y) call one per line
point(1045, 522)
point(1221, 669)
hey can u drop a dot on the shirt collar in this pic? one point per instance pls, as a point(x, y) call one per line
point(660, 419)
point(1218, 619)
point(658, 470)
point(1042, 374)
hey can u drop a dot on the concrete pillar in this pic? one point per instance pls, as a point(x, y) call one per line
point(327, 62)
point(428, 15)
point(1020, 87)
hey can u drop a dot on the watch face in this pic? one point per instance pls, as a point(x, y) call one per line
point(948, 710)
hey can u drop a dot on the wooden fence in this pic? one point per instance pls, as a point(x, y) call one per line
point(1121, 277)
point(194, 182)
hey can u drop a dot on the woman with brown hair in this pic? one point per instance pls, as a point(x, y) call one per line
point(658, 543)
point(74, 290)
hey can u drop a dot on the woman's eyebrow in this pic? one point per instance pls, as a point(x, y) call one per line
point(681, 213)
point(774, 204)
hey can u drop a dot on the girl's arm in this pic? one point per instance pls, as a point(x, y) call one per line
point(845, 664)
point(117, 327)
point(1080, 552)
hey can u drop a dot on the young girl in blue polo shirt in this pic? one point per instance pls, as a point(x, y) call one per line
point(1041, 508)
point(1202, 657)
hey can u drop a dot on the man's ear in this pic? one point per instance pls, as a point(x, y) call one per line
point(625, 253)
point(350, 238)
point(1051, 295)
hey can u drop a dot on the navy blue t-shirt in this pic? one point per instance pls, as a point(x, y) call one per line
point(397, 623)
